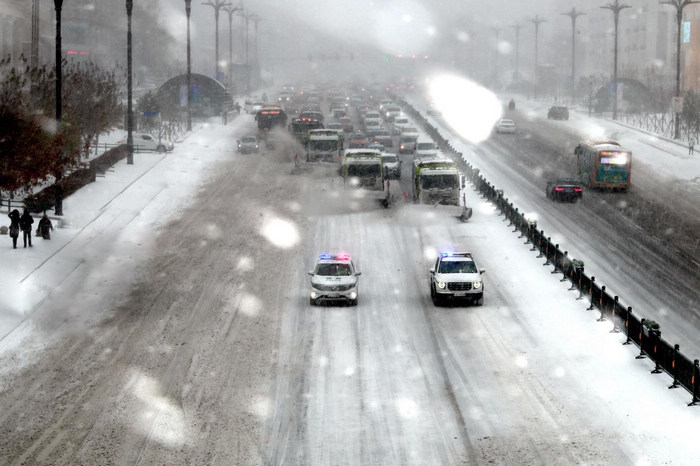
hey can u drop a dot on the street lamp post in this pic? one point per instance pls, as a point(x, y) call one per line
point(34, 62)
point(129, 87)
point(230, 10)
point(58, 5)
point(517, 27)
point(216, 4)
point(497, 30)
point(256, 64)
point(536, 21)
point(246, 17)
point(188, 11)
point(678, 5)
point(573, 14)
point(616, 8)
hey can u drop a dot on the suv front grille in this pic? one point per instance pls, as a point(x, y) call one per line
point(459, 286)
point(333, 287)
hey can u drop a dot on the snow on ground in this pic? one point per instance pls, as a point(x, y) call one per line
point(133, 201)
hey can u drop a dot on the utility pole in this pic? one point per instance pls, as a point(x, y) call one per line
point(573, 14)
point(517, 27)
point(217, 5)
point(616, 8)
point(536, 21)
point(678, 5)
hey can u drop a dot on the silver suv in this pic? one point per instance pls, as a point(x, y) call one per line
point(455, 275)
point(248, 144)
point(334, 279)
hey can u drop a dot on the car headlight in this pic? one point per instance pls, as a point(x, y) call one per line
point(441, 285)
point(477, 285)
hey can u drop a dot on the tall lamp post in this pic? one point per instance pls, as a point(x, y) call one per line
point(573, 14)
point(188, 11)
point(230, 9)
point(616, 8)
point(678, 5)
point(497, 30)
point(129, 87)
point(536, 21)
point(517, 27)
point(34, 62)
point(256, 64)
point(217, 5)
point(58, 5)
point(246, 17)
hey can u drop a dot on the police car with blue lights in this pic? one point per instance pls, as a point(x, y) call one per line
point(455, 275)
point(334, 279)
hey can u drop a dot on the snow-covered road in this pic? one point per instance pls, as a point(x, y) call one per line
point(191, 341)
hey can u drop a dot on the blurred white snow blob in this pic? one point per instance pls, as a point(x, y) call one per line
point(280, 233)
point(470, 109)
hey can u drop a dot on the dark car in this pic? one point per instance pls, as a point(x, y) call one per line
point(566, 189)
point(558, 113)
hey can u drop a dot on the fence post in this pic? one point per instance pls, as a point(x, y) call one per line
point(674, 368)
point(590, 308)
point(614, 312)
point(600, 304)
point(695, 384)
point(655, 335)
point(556, 248)
point(540, 244)
point(628, 341)
point(577, 268)
point(641, 341)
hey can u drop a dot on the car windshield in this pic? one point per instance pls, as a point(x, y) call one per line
point(323, 145)
point(390, 159)
point(249, 139)
point(364, 170)
point(358, 136)
point(465, 266)
point(440, 181)
point(334, 270)
point(425, 146)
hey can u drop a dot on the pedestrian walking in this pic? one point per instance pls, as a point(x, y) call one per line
point(25, 224)
point(691, 146)
point(14, 226)
point(45, 227)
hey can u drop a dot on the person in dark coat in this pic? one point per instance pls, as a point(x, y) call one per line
point(25, 223)
point(14, 226)
point(45, 227)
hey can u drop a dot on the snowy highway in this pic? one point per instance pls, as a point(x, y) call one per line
point(201, 347)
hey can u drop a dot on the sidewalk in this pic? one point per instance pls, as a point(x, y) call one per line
point(106, 228)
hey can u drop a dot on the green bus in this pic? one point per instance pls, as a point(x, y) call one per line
point(604, 165)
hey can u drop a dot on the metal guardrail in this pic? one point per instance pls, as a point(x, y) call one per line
point(645, 334)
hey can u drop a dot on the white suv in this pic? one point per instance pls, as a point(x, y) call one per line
point(456, 275)
point(334, 279)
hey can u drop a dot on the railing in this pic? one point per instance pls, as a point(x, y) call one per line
point(645, 334)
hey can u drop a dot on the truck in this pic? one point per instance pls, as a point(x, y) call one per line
point(438, 182)
point(299, 128)
point(362, 169)
point(324, 145)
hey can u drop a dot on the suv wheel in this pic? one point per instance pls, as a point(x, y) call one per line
point(353, 302)
point(312, 301)
point(479, 302)
point(161, 148)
